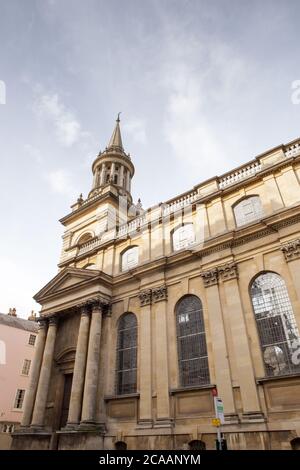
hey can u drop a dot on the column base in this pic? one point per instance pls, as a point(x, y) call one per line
point(145, 424)
point(231, 418)
point(163, 423)
point(253, 417)
point(91, 426)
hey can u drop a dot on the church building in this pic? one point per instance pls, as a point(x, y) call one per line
point(155, 311)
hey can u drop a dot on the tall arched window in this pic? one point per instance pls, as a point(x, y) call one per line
point(126, 354)
point(191, 342)
point(248, 210)
point(85, 238)
point(130, 258)
point(277, 328)
point(183, 237)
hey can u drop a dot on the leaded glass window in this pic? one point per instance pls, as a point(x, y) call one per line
point(277, 328)
point(126, 354)
point(248, 210)
point(191, 342)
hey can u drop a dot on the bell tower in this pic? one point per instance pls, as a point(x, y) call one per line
point(113, 168)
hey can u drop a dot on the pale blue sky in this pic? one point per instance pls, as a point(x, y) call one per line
point(203, 86)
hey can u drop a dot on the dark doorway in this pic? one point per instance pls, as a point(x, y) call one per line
point(120, 445)
point(197, 445)
point(66, 400)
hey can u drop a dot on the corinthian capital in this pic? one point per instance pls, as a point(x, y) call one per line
point(291, 250)
point(210, 277)
point(145, 297)
point(228, 271)
point(160, 293)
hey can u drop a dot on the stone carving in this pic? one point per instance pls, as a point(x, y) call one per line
point(145, 297)
point(291, 250)
point(160, 293)
point(210, 278)
point(53, 321)
point(228, 271)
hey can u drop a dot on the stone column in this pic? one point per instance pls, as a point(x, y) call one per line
point(145, 414)
point(79, 369)
point(220, 351)
point(88, 416)
point(45, 374)
point(121, 176)
point(159, 297)
point(251, 406)
point(128, 181)
point(35, 373)
point(102, 175)
point(291, 251)
point(112, 171)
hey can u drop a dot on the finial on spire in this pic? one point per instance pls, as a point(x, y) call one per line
point(116, 139)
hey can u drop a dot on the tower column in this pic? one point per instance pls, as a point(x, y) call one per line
point(79, 368)
point(88, 416)
point(121, 176)
point(112, 171)
point(35, 372)
point(102, 174)
point(44, 380)
point(128, 181)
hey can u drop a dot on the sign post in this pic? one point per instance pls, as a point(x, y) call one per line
point(219, 419)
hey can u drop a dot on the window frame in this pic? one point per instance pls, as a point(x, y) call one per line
point(185, 380)
point(19, 400)
point(189, 243)
point(259, 214)
point(275, 325)
point(123, 253)
point(26, 367)
point(120, 388)
point(30, 343)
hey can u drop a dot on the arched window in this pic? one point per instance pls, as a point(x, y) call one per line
point(191, 342)
point(197, 445)
point(85, 238)
point(183, 237)
point(130, 258)
point(126, 354)
point(295, 443)
point(277, 328)
point(247, 210)
point(120, 445)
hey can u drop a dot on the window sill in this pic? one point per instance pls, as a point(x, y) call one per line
point(262, 380)
point(120, 397)
point(192, 388)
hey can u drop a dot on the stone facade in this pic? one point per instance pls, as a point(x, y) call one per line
point(73, 402)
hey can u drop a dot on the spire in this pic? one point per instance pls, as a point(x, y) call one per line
point(116, 139)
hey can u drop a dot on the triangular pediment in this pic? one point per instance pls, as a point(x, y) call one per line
point(66, 279)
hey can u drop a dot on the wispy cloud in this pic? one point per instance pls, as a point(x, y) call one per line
point(137, 130)
point(60, 182)
point(67, 127)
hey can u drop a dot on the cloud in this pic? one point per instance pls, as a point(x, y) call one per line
point(67, 127)
point(60, 182)
point(201, 85)
point(136, 129)
point(33, 152)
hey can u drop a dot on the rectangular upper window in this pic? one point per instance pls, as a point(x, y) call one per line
point(31, 340)
point(19, 398)
point(26, 367)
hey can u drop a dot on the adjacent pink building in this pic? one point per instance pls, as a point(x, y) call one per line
point(17, 340)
